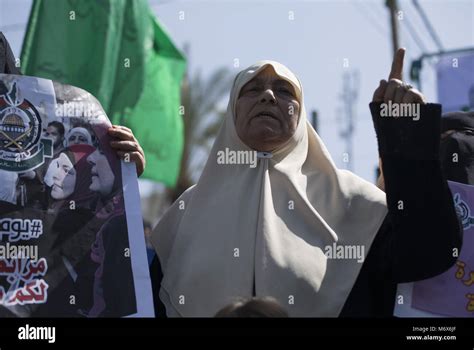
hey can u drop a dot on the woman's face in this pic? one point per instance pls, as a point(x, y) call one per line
point(64, 177)
point(77, 138)
point(267, 111)
point(102, 175)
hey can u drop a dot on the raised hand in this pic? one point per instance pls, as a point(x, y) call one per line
point(127, 146)
point(395, 89)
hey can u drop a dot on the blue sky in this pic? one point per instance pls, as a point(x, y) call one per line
point(313, 44)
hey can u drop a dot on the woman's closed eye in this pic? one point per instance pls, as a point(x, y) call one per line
point(252, 89)
point(285, 91)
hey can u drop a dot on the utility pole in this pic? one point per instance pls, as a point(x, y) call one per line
point(428, 25)
point(349, 97)
point(393, 8)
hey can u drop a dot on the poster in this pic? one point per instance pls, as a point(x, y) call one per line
point(71, 231)
point(450, 294)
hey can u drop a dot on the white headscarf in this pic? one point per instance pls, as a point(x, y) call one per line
point(270, 225)
point(82, 131)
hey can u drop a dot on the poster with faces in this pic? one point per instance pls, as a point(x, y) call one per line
point(71, 231)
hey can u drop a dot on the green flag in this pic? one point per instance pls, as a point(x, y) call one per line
point(116, 50)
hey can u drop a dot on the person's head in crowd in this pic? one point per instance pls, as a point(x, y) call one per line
point(71, 173)
point(55, 131)
point(253, 308)
point(457, 146)
point(78, 136)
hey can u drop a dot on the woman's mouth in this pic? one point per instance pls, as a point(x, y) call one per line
point(266, 116)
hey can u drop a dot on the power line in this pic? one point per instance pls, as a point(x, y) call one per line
point(414, 35)
point(382, 31)
point(381, 14)
point(428, 25)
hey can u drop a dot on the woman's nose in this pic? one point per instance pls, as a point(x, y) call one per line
point(268, 96)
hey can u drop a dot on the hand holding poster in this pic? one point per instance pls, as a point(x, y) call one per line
point(67, 208)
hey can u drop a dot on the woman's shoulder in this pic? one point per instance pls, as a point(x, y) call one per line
point(354, 186)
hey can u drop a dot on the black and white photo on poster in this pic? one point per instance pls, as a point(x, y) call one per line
point(71, 233)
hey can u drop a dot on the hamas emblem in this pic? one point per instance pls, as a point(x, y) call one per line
point(21, 146)
point(463, 211)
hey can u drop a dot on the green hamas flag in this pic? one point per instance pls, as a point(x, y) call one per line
point(116, 50)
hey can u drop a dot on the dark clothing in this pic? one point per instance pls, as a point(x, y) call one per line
point(421, 229)
point(117, 283)
point(67, 242)
point(457, 148)
point(417, 237)
point(150, 254)
point(457, 121)
point(7, 60)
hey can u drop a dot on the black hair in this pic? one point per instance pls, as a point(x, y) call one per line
point(59, 126)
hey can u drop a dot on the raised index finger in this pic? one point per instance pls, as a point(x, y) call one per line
point(397, 65)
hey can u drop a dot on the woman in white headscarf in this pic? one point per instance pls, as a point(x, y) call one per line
point(273, 226)
point(78, 136)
